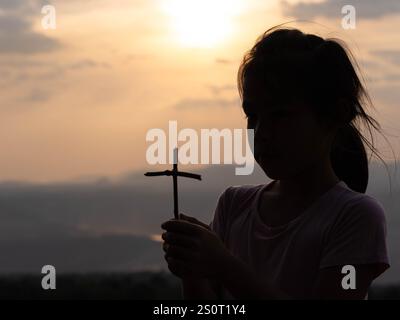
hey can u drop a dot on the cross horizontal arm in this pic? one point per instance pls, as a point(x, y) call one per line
point(173, 173)
point(189, 175)
point(159, 173)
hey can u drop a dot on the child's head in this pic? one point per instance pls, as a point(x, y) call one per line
point(302, 96)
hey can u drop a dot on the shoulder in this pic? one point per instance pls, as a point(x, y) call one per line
point(358, 232)
point(238, 198)
point(367, 205)
point(357, 212)
point(362, 206)
point(241, 193)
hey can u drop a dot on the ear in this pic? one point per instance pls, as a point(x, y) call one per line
point(341, 115)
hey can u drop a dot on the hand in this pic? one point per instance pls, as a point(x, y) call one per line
point(192, 249)
point(193, 220)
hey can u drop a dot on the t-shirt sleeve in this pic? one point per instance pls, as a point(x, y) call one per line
point(358, 236)
point(218, 223)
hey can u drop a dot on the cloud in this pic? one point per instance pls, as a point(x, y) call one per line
point(26, 43)
point(74, 6)
point(392, 56)
point(136, 56)
point(217, 90)
point(393, 77)
point(21, 70)
point(12, 62)
point(206, 103)
point(369, 9)
point(223, 61)
point(25, 64)
point(14, 4)
point(37, 95)
point(388, 93)
point(88, 63)
point(16, 29)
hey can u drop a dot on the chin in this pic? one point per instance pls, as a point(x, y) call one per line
point(272, 174)
point(272, 168)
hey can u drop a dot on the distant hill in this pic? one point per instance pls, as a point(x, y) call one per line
point(104, 224)
point(141, 285)
point(133, 286)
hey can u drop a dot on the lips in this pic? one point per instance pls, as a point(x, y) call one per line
point(263, 151)
point(269, 155)
point(266, 155)
point(261, 148)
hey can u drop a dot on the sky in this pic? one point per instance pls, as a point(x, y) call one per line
point(77, 101)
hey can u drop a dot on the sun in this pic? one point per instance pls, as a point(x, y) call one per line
point(202, 23)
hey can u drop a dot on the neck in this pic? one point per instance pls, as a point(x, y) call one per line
point(310, 183)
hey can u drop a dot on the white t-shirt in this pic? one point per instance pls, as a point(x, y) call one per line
point(341, 227)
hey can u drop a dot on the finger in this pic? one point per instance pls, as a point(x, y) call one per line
point(179, 267)
point(193, 220)
point(165, 246)
point(179, 239)
point(180, 253)
point(183, 268)
point(181, 226)
point(173, 219)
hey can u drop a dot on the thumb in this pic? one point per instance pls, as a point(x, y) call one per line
point(193, 220)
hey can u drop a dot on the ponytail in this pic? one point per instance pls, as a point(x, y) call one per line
point(349, 158)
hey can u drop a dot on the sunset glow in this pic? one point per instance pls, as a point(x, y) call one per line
point(202, 23)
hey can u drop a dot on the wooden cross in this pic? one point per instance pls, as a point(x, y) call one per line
point(174, 173)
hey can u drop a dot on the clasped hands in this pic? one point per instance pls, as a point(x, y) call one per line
point(192, 249)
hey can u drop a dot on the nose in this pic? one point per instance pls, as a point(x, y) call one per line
point(265, 139)
point(263, 130)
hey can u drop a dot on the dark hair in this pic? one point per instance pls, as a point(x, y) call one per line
point(289, 64)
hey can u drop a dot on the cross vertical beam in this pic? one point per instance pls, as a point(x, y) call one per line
point(174, 173)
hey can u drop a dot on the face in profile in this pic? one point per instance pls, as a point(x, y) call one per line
point(288, 138)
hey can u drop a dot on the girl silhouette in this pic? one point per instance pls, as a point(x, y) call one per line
point(292, 238)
